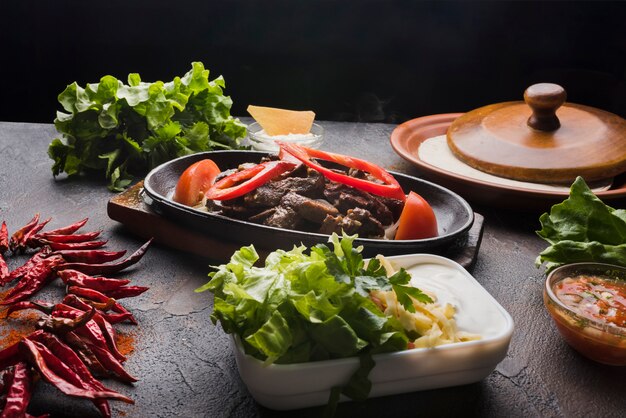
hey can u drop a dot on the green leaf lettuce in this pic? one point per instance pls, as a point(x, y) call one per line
point(582, 228)
point(121, 130)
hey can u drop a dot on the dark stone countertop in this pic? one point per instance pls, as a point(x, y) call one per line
point(185, 365)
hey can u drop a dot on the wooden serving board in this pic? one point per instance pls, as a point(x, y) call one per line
point(130, 209)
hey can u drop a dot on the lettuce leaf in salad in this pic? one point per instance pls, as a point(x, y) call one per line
point(119, 130)
point(582, 228)
point(310, 305)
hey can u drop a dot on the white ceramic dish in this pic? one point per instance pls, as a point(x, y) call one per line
point(302, 385)
point(261, 141)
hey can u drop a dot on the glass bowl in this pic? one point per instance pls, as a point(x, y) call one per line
point(597, 339)
point(261, 141)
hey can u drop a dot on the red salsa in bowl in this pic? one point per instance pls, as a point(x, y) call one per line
point(588, 304)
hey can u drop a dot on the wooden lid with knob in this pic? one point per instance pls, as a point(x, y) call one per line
point(542, 140)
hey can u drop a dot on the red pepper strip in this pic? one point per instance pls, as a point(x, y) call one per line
point(56, 372)
point(22, 270)
point(89, 256)
point(126, 292)
point(18, 235)
point(40, 274)
point(4, 238)
point(85, 353)
point(58, 323)
point(73, 361)
point(110, 268)
point(87, 245)
point(111, 363)
point(90, 296)
point(391, 188)
point(4, 270)
point(101, 284)
point(40, 306)
point(244, 181)
point(70, 229)
point(19, 393)
point(109, 335)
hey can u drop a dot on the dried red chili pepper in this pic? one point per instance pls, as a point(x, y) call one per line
point(101, 284)
point(9, 356)
point(19, 392)
point(89, 256)
point(111, 363)
point(90, 330)
point(4, 238)
point(4, 270)
point(101, 306)
point(87, 245)
point(109, 335)
point(23, 269)
point(28, 236)
point(18, 235)
point(86, 355)
point(40, 274)
point(58, 324)
point(126, 292)
point(74, 362)
point(70, 229)
point(26, 304)
point(72, 238)
point(78, 303)
point(90, 296)
point(109, 268)
point(56, 372)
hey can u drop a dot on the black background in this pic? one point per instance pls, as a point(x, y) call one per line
point(385, 61)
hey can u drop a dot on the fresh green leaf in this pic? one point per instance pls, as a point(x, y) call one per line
point(582, 228)
point(141, 125)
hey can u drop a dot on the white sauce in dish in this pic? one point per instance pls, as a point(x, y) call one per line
point(263, 142)
point(435, 151)
point(475, 311)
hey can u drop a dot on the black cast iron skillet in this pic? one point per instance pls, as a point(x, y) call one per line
point(453, 213)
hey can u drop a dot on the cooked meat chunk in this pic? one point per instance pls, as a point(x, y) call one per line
point(310, 209)
point(271, 193)
point(370, 226)
point(355, 221)
point(345, 198)
point(238, 211)
point(303, 199)
point(284, 217)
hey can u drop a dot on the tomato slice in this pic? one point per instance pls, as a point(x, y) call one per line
point(417, 220)
point(195, 181)
point(391, 188)
point(244, 181)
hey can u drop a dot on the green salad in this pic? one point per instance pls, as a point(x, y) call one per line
point(312, 305)
point(581, 229)
point(119, 130)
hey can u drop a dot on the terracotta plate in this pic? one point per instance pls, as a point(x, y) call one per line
point(407, 138)
point(454, 215)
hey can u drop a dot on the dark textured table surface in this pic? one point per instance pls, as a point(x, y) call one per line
point(185, 365)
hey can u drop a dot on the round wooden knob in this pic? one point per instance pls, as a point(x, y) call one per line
point(544, 99)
